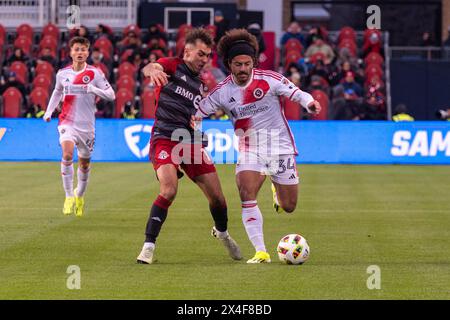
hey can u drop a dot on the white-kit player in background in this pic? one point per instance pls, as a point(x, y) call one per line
point(251, 98)
point(77, 86)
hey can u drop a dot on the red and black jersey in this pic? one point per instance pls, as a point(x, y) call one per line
point(177, 100)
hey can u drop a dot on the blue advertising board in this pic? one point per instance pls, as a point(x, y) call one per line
point(351, 142)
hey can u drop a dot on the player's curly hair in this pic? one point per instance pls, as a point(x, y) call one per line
point(230, 38)
point(80, 40)
point(199, 34)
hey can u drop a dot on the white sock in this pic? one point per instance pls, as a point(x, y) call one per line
point(67, 177)
point(149, 245)
point(83, 178)
point(253, 223)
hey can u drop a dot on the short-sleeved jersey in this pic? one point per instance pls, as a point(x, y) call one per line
point(78, 108)
point(178, 100)
point(256, 110)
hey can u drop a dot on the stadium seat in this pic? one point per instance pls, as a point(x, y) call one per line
point(126, 82)
point(42, 81)
point(179, 47)
point(373, 69)
point(122, 97)
point(103, 68)
point(49, 42)
point(21, 71)
point(317, 56)
point(293, 44)
point(106, 54)
point(347, 33)
point(374, 58)
point(25, 30)
point(322, 97)
point(347, 43)
point(45, 68)
point(12, 103)
point(2, 32)
point(132, 27)
point(208, 79)
point(103, 43)
point(182, 31)
point(148, 104)
point(24, 43)
point(51, 30)
point(126, 54)
point(127, 69)
point(212, 29)
point(39, 96)
point(292, 110)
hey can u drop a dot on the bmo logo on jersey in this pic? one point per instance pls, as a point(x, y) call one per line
point(138, 139)
point(188, 95)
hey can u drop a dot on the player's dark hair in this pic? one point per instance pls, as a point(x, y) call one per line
point(236, 37)
point(80, 40)
point(199, 34)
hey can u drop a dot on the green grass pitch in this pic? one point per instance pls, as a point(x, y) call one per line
point(394, 217)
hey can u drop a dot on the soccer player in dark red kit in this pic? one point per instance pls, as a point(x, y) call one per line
point(179, 90)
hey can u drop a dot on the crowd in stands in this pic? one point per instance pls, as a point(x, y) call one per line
point(345, 74)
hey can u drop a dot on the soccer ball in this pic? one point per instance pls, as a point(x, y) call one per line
point(293, 249)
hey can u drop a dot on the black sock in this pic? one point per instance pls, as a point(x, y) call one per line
point(158, 215)
point(220, 216)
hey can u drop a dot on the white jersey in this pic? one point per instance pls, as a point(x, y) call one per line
point(256, 112)
point(78, 109)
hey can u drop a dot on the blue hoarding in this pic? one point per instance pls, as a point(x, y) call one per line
point(378, 142)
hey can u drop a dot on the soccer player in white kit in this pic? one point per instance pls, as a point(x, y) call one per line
point(251, 98)
point(77, 86)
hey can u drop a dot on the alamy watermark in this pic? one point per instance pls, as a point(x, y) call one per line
point(374, 280)
point(74, 279)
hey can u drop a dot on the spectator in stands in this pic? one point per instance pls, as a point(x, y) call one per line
point(319, 69)
point(130, 111)
point(351, 87)
point(427, 40)
point(255, 29)
point(46, 55)
point(152, 57)
point(154, 33)
point(342, 72)
point(293, 31)
point(401, 113)
point(18, 55)
point(137, 60)
point(319, 45)
point(34, 111)
point(313, 33)
point(83, 31)
point(222, 25)
point(296, 79)
point(13, 82)
point(131, 41)
point(374, 106)
point(338, 106)
point(103, 31)
point(156, 45)
point(317, 83)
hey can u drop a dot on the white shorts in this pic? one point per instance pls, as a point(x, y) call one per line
point(282, 169)
point(84, 141)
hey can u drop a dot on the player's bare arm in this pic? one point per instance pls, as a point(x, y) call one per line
point(156, 73)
